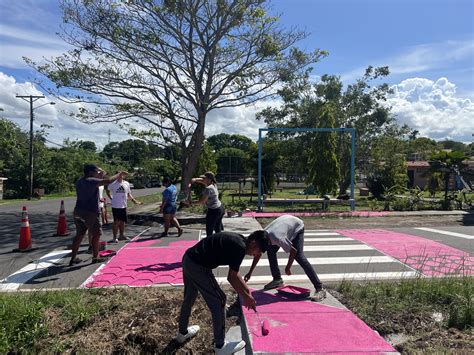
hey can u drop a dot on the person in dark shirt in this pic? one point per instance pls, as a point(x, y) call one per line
point(86, 211)
point(223, 248)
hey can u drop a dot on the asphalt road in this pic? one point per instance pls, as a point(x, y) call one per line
point(43, 217)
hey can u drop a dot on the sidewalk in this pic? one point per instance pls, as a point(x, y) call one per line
point(302, 326)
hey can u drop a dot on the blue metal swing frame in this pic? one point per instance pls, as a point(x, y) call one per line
point(297, 130)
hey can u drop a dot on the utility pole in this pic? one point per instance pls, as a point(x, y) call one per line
point(31, 99)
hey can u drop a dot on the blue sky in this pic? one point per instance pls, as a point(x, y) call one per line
point(428, 45)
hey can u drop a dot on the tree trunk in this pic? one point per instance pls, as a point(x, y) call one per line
point(190, 157)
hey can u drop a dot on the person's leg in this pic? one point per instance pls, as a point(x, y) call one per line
point(211, 220)
point(115, 225)
point(121, 227)
point(167, 223)
point(190, 294)
point(214, 297)
point(80, 232)
point(106, 216)
point(218, 226)
point(95, 228)
point(273, 261)
point(298, 243)
point(174, 222)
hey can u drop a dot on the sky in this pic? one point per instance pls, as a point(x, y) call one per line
point(427, 44)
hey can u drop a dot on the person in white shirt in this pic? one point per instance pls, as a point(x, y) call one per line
point(287, 232)
point(119, 192)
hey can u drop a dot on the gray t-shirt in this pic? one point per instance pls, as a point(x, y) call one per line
point(283, 230)
point(212, 197)
point(87, 194)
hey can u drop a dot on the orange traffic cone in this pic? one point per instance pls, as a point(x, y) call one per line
point(25, 234)
point(62, 223)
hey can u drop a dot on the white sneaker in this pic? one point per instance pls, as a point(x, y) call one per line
point(192, 331)
point(230, 348)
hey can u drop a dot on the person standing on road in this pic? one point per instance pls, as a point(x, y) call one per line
point(119, 192)
point(224, 248)
point(287, 232)
point(210, 198)
point(86, 211)
point(168, 207)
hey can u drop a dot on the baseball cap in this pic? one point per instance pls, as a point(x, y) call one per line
point(210, 175)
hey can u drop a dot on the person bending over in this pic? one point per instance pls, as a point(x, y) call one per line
point(287, 232)
point(224, 248)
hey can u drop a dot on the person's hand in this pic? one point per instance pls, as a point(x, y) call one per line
point(123, 173)
point(139, 203)
point(247, 276)
point(250, 303)
point(288, 270)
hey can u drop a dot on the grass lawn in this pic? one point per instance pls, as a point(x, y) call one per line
point(430, 315)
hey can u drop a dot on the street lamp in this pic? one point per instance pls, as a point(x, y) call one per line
point(31, 99)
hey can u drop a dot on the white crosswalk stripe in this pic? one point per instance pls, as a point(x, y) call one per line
point(335, 258)
point(453, 234)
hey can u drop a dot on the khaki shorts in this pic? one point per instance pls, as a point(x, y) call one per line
point(85, 220)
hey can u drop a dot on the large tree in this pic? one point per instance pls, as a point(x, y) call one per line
point(169, 63)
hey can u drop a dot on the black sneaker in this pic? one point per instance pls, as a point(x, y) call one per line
point(273, 284)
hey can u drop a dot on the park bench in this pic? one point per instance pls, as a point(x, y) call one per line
point(323, 202)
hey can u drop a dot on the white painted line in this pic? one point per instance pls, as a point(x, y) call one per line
point(341, 247)
point(334, 277)
point(329, 261)
point(18, 278)
point(453, 234)
point(313, 234)
point(339, 239)
point(91, 278)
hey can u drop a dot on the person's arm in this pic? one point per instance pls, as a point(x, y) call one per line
point(111, 179)
point(197, 180)
point(291, 258)
point(241, 288)
point(256, 258)
point(107, 191)
point(133, 199)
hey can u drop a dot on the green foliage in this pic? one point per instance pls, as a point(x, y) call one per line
point(324, 165)
point(450, 296)
point(224, 140)
point(231, 162)
point(24, 321)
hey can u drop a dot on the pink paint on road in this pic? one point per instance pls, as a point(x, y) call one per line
point(427, 256)
point(135, 267)
point(317, 214)
point(308, 327)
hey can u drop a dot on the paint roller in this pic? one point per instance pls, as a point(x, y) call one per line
point(264, 325)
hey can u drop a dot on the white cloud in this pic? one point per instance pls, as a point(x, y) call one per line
point(17, 110)
point(237, 120)
point(433, 108)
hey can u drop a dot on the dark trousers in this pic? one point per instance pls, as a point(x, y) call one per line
point(214, 220)
point(298, 243)
point(199, 278)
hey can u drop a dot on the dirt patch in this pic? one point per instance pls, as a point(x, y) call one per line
point(135, 321)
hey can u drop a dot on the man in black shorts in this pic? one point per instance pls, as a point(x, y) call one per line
point(223, 248)
point(86, 212)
